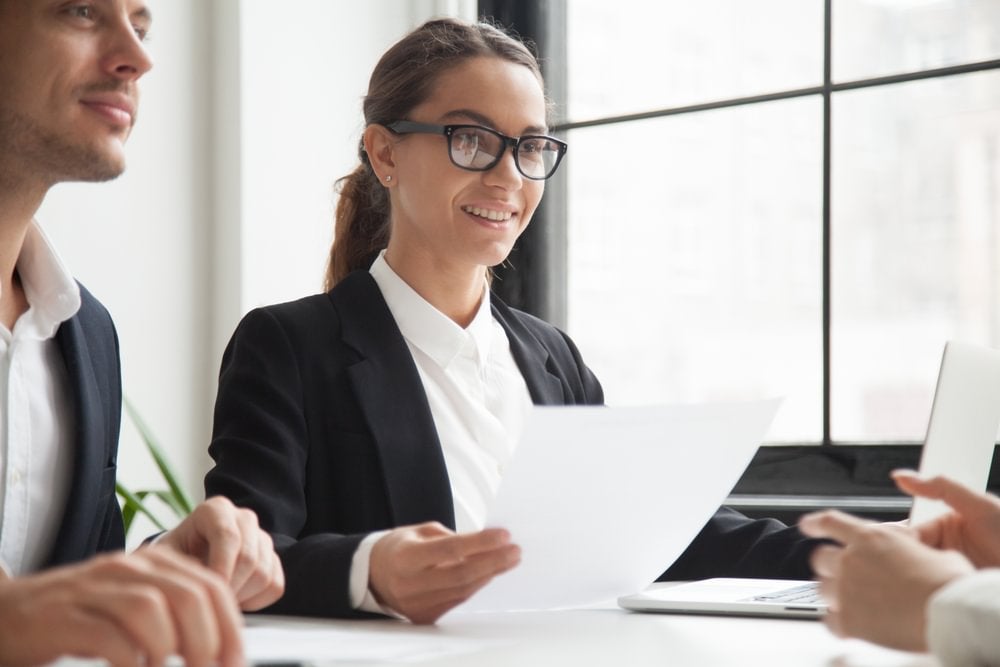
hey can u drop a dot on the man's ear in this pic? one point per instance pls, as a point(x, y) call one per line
point(379, 145)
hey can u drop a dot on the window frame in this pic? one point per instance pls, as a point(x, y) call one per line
point(782, 480)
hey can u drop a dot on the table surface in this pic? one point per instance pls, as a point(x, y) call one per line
point(606, 635)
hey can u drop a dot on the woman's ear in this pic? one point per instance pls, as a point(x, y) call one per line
point(379, 145)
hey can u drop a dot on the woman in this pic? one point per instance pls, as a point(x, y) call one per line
point(369, 426)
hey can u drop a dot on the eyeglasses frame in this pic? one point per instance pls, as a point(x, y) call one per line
point(412, 127)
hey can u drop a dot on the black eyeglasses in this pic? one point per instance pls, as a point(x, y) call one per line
point(478, 148)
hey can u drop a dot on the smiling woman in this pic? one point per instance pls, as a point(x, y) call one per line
point(369, 427)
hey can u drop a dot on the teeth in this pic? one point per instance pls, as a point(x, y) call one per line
point(489, 214)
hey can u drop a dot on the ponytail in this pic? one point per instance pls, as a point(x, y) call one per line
point(361, 226)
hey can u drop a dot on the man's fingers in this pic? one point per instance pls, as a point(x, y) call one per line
point(957, 496)
point(94, 636)
point(834, 622)
point(267, 581)
point(826, 561)
point(216, 632)
point(215, 524)
point(139, 612)
point(248, 559)
point(833, 525)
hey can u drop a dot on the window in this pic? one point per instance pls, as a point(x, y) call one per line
point(785, 197)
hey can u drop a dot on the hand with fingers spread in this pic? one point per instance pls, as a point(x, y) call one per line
point(129, 610)
point(973, 527)
point(229, 541)
point(425, 570)
point(878, 582)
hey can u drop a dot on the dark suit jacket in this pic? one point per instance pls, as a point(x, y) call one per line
point(323, 428)
point(92, 521)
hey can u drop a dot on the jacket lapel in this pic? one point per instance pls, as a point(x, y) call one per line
point(76, 537)
point(392, 397)
point(531, 358)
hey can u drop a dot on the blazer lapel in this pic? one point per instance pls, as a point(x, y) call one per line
point(395, 405)
point(76, 537)
point(531, 358)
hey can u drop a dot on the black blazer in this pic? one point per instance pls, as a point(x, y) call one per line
point(92, 521)
point(323, 428)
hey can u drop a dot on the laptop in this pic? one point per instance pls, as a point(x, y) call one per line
point(961, 435)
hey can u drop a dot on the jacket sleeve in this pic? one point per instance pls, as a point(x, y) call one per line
point(733, 545)
point(260, 446)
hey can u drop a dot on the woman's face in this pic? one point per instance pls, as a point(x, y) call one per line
point(450, 216)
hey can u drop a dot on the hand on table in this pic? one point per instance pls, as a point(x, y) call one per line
point(423, 571)
point(229, 541)
point(128, 609)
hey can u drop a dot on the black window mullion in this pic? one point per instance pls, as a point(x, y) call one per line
point(827, 236)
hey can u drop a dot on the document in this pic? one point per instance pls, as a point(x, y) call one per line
point(602, 500)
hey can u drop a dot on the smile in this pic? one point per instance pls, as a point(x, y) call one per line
point(488, 214)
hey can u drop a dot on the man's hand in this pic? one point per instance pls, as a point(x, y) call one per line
point(973, 528)
point(877, 584)
point(423, 571)
point(129, 610)
point(230, 542)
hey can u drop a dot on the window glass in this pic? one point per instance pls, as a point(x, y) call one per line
point(636, 55)
point(695, 258)
point(880, 37)
point(916, 245)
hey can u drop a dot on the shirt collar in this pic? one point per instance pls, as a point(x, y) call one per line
point(52, 293)
point(427, 328)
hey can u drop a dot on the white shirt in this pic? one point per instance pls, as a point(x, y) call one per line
point(478, 399)
point(963, 621)
point(36, 415)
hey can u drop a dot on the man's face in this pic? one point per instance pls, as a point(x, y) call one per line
point(68, 87)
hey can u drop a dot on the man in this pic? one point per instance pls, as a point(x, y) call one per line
point(68, 97)
point(934, 587)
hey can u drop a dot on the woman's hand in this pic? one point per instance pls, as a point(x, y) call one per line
point(423, 571)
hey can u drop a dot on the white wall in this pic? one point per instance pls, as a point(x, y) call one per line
point(251, 112)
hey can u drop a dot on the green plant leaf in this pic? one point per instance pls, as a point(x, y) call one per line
point(181, 502)
point(170, 501)
point(135, 505)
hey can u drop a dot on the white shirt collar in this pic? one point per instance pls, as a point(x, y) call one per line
point(52, 293)
point(427, 328)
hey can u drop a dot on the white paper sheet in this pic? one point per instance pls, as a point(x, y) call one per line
point(602, 500)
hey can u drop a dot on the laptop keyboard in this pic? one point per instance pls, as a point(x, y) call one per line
point(804, 594)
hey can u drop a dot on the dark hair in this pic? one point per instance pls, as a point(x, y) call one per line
point(402, 80)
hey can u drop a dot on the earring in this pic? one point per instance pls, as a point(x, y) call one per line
point(388, 179)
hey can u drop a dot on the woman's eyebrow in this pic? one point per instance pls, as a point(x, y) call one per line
point(482, 119)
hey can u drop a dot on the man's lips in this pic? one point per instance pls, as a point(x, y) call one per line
point(116, 108)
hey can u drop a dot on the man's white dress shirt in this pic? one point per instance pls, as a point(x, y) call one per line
point(36, 414)
point(963, 621)
point(478, 399)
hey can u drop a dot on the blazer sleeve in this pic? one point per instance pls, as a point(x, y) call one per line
point(733, 545)
point(260, 445)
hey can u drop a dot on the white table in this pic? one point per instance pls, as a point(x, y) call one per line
point(606, 635)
